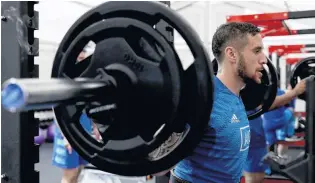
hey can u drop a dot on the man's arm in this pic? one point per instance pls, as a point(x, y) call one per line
point(96, 133)
point(290, 95)
point(283, 99)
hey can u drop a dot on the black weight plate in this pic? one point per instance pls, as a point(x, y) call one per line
point(303, 69)
point(195, 102)
point(215, 66)
point(258, 98)
point(155, 92)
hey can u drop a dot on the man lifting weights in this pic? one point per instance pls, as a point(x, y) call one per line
point(222, 153)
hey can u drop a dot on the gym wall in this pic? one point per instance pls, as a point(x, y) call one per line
point(53, 26)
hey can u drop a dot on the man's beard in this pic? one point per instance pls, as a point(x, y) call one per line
point(241, 68)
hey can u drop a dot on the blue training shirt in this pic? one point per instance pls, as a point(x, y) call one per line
point(222, 153)
point(292, 103)
point(257, 134)
point(84, 121)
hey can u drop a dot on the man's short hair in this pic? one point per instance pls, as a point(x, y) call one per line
point(229, 32)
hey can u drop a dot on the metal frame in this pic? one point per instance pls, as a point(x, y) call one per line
point(273, 24)
point(291, 61)
point(309, 45)
point(19, 154)
point(282, 50)
point(286, 49)
point(310, 138)
point(306, 31)
point(301, 14)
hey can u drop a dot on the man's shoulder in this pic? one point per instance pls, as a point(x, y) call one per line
point(222, 102)
point(223, 99)
point(222, 107)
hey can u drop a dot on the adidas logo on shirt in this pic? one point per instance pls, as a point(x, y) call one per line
point(234, 119)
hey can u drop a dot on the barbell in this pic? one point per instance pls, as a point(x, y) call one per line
point(150, 110)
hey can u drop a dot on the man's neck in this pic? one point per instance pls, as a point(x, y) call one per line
point(232, 81)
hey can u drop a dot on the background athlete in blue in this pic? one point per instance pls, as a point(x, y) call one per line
point(279, 126)
point(64, 156)
point(254, 170)
point(275, 121)
point(68, 159)
point(222, 153)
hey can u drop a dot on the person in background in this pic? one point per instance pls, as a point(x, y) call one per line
point(64, 156)
point(287, 132)
point(255, 168)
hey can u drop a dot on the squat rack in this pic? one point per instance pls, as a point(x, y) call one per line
point(283, 50)
point(273, 24)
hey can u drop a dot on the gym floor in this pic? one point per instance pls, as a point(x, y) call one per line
point(52, 174)
point(47, 172)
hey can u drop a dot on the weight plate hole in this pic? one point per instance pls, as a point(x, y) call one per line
point(311, 65)
point(183, 51)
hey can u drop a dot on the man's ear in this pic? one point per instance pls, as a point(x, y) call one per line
point(230, 53)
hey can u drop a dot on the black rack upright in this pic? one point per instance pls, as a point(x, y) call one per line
point(18, 48)
point(310, 117)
